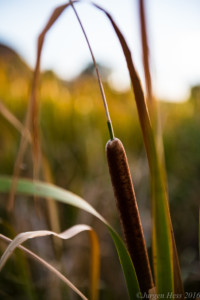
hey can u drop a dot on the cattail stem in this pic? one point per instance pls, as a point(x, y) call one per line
point(109, 122)
point(110, 129)
point(128, 212)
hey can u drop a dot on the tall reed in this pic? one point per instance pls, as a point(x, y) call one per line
point(124, 193)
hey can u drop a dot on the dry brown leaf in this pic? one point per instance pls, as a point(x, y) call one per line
point(32, 114)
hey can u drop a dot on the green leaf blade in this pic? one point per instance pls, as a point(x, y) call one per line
point(127, 265)
point(162, 242)
point(162, 238)
point(40, 189)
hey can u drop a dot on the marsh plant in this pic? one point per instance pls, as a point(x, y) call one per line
point(146, 277)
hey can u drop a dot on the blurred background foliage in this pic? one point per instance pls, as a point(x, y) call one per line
point(74, 133)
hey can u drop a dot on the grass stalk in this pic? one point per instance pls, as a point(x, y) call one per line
point(109, 122)
point(145, 52)
point(32, 114)
point(48, 266)
point(152, 106)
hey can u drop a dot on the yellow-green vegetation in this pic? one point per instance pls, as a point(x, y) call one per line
point(74, 134)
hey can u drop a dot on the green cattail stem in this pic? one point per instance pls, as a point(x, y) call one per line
point(128, 212)
point(110, 129)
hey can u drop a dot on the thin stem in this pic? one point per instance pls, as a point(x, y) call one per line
point(110, 129)
point(48, 266)
point(109, 122)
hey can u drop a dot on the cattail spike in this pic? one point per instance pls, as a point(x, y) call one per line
point(128, 212)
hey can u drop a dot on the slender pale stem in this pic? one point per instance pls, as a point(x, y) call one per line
point(109, 122)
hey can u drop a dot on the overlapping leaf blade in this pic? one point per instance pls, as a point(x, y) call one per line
point(162, 239)
point(16, 243)
point(40, 189)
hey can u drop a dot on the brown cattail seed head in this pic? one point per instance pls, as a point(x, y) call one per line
point(128, 212)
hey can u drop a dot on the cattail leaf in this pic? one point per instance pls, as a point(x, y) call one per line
point(145, 52)
point(48, 266)
point(37, 188)
point(162, 238)
point(126, 263)
point(152, 106)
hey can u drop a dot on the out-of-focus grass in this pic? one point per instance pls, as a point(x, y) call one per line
point(74, 135)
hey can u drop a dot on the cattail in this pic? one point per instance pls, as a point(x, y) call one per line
point(128, 212)
point(124, 193)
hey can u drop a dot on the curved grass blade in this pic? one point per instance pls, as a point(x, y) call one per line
point(21, 263)
point(27, 187)
point(48, 266)
point(127, 265)
point(24, 236)
point(67, 234)
point(162, 239)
